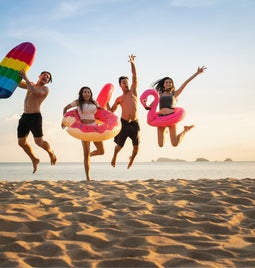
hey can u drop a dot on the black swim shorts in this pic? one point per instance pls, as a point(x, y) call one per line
point(128, 129)
point(30, 122)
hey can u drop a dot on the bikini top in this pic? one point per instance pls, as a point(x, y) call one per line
point(87, 112)
point(167, 101)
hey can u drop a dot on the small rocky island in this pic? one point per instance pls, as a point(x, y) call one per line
point(165, 159)
point(201, 159)
point(228, 160)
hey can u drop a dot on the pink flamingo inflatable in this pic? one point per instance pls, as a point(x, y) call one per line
point(153, 119)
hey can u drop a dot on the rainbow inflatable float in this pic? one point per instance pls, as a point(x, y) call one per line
point(19, 58)
point(108, 124)
point(153, 119)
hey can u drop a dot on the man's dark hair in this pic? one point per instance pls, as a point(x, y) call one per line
point(121, 78)
point(46, 72)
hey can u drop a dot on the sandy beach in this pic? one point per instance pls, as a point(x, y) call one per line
point(153, 223)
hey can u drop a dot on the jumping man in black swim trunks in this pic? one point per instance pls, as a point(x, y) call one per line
point(130, 126)
point(31, 120)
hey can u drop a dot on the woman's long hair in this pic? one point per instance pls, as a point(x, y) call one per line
point(159, 84)
point(81, 99)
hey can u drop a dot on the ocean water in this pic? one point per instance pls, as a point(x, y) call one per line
point(139, 171)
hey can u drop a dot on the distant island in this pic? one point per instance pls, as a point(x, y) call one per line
point(165, 159)
point(199, 159)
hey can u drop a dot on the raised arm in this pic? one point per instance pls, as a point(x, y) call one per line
point(199, 71)
point(22, 84)
point(39, 91)
point(134, 75)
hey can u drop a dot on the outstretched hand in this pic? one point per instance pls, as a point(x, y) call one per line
point(131, 58)
point(201, 69)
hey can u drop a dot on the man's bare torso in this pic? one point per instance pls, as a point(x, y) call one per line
point(33, 101)
point(128, 103)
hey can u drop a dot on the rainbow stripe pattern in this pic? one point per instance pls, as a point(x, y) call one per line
point(19, 58)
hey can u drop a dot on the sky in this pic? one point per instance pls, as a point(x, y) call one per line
point(87, 42)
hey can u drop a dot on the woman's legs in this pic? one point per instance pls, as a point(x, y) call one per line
point(176, 139)
point(99, 149)
point(86, 154)
point(161, 138)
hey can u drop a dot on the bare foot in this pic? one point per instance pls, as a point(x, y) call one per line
point(188, 128)
point(35, 164)
point(113, 162)
point(131, 160)
point(53, 158)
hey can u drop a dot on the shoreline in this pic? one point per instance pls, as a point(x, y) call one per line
point(138, 162)
point(152, 223)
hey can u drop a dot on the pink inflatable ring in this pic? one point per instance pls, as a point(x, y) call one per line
point(153, 119)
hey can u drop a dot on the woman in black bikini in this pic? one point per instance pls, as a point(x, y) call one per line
point(168, 96)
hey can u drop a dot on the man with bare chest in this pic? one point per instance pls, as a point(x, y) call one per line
point(129, 118)
point(31, 119)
